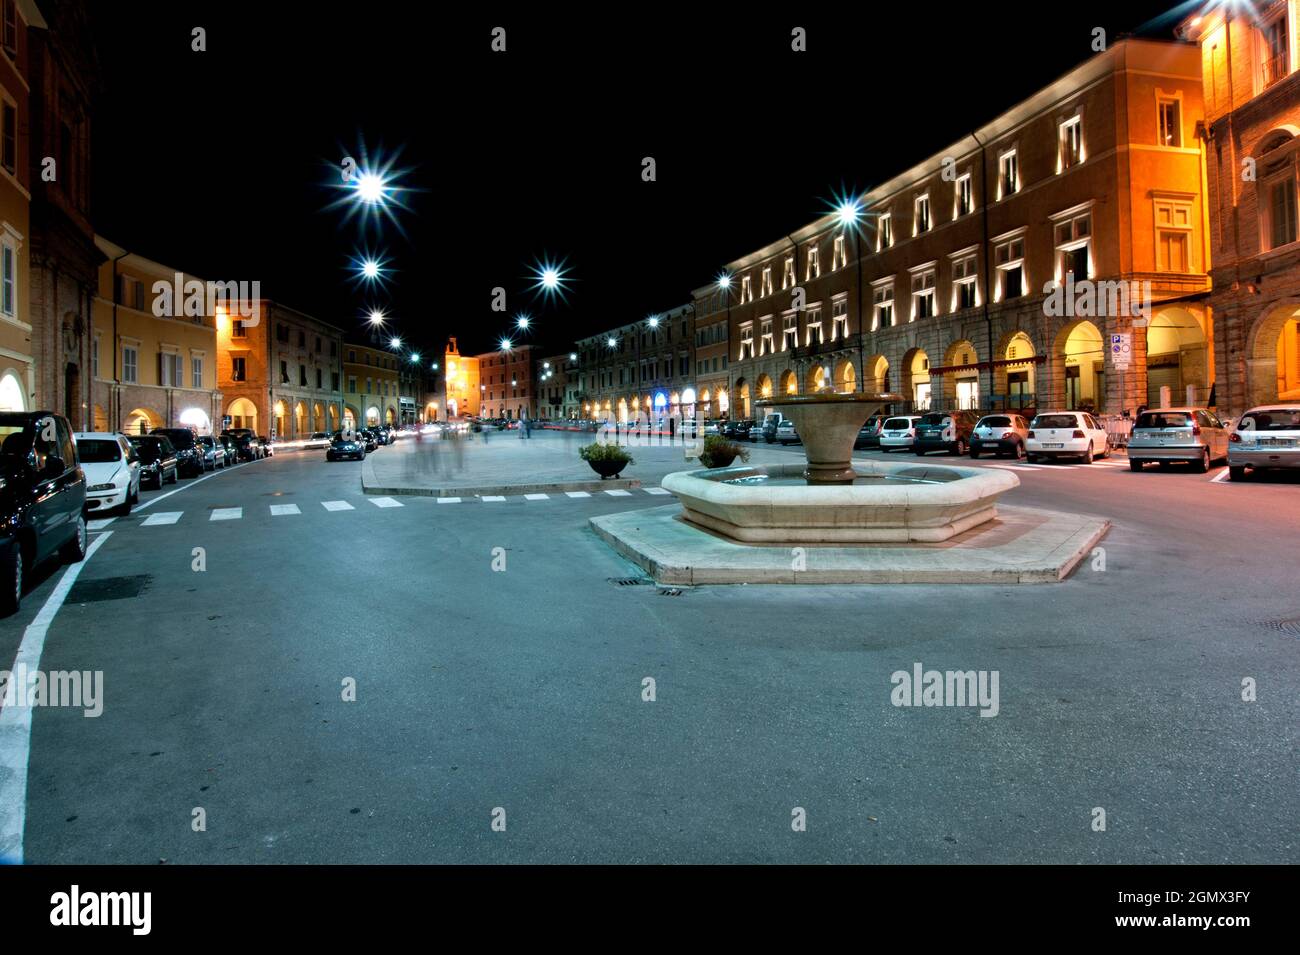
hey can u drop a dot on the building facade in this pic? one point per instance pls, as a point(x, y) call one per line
point(712, 352)
point(64, 261)
point(1055, 257)
point(280, 373)
point(372, 386)
point(1252, 113)
point(18, 390)
point(506, 387)
point(151, 364)
point(462, 389)
point(557, 386)
point(645, 367)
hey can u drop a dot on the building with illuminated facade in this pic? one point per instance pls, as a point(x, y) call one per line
point(939, 289)
point(506, 383)
point(1252, 113)
point(646, 366)
point(460, 383)
point(371, 385)
point(558, 386)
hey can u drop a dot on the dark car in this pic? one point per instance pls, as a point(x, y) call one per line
point(227, 445)
point(266, 445)
point(247, 447)
point(383, 434)
point(369, 438)
point(738, 430)
point(214, 452)
point(189, 453)
point(42, 498)
point(945, 431)
point(158, 461)
point(869, 433)
point(341, 447)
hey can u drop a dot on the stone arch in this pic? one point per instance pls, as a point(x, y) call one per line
point(299, 418)
point(1078, 367)
point(875, 374)
point(1273, 356)
point(242, 413)
point(961, 388)
point(317, 417)
point(846, 376)
point(819, 379)
point(1015, 379)
point(788, 383)
point(744, 397)
point(916, 378)
point(351, 417)
point(1178, 355)
point(764, 386)
point(141, 421)
point(12, 393)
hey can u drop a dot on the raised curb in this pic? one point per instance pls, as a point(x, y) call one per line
point(371, 485)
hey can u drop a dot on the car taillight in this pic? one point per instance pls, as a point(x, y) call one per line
point(1235, 437)
point(1007, 434)
point(1196, 429)
point(1079, 434)
point(1029, 435)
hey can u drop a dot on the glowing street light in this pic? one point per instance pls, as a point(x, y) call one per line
point(549, 279)
point(611, 341)
point(653, 321)
point(849, 212)
point(394, 342)
point(724, 280)
point(415, 357)
point(522, 322)
point(376, 318)
point(371, 187)
point(573, 356)
point(506, 344)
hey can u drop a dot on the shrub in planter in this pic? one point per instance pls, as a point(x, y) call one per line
point(719, 452)
point(607, 460)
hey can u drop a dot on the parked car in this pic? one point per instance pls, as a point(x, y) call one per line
point(214, 452)
point(368, 437)
point(112, 470)
point(266, 445)
point(738, 430)
point(1061, 434)
point(1001, 434)
point(229, 447)
point(713, 426)
point(898, 432)
point(1266, 437)
point(189, 455)
point(342, 447)
point(944, 431)
point(770, 424)
point(1193, 435)
point(247, 447)
point(786, 434)
point(158, 464)
point(869, 433)
point(42, 498)
point(319, 439)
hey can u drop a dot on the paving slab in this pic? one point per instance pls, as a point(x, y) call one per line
point(1022, 545)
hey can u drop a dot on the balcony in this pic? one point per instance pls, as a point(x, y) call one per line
point(1275, 68)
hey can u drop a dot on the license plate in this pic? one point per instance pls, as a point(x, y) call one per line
point(1277, 442)
point(1053, 445)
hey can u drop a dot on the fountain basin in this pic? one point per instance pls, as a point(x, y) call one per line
point(887, 502)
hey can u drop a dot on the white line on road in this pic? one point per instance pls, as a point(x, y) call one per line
point(656, 490)
point(162, 517)
point(618, 493)
point(155, 500)
point(16, 721)
point(448, 500)
point(1221, 476)
point(1010, 467)
point(385, 502)
point(537, 497)
point(277, 510)
point(99, 523)
point(226, 513)
point(492, 497)
point(577, 494)
point(336, 505)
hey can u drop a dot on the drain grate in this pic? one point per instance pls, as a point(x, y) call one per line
point(108, 588)
point(1291, 626)
point(670, 591)
point(628, 581)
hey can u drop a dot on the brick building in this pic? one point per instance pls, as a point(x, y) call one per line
point(1252, 112)
point(506, 387)
point(940, 291)
point(371, 385)
point(646, 366)
point(712, 352)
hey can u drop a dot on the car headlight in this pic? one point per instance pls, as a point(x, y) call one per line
point(100, 487)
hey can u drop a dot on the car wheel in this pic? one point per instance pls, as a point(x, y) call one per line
point(75, 550)
point(1087, 455)
point(1031, 458)
point(11, 580)
point(1202, 465)
point(1020, 451)
point(961, 447)
point(918, 452)
point(124, 508)
point(1236, 472)
point(176, 475)
point(1134, 465)
point(974, 455)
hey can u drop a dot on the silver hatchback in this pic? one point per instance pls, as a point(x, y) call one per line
point(1192, 435)
point(1265, 437)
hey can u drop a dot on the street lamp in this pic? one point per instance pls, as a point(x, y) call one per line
point(376, 318)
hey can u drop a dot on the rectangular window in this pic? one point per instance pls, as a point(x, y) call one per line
point(1009, 257)
point(814, 267)
point(11, 27)
point(882, 305)
point(885, 232)
point(319, 377)
point(789, 331)
point(838, 258)
point(1071, 142)
point(766, 344)
point(1008, 174)
point(352, 384)
point(334, 381)
point(1281, 213)
point(94, 357)
point(9, 151)
point(923, 294)
point(9, 271)
point(787, 274)
point(237, 329)
point(964, 196)
point(1170, 121)
point(302, 376)
point(284, 372)
point(765, 283)
point(238, 370)
point(169, 374)
point(746, 290)
point(130, 364)
point(282, 333)
point(840, 319)
point(814, 327)
point(1073, 238)
point(963, 283)
point(196, 372)
point(1277, 52)
point(921, 211)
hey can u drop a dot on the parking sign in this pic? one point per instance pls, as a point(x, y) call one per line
point(1121, 351)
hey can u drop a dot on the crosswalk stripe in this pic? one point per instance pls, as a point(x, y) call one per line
point(162, 517)
point(385, 502)
point(1011, 467)
point(577, 494)
point(336, 506)
point(278, 510)
point(99, 523)
point(492, 497)
point(448, 500)
point(537, 497)
point(226, 513)
point(655, 490)
point(618, 493)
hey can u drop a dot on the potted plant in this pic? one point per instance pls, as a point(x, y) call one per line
point(719, 452)
point(607, 460)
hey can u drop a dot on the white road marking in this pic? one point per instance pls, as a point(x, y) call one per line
point(385, 502)
point(618, 493)
point(162, 517)
point(278, 510)
point(1221, 476)
point(492, 497)
point(226, 513)
point(1011, 467)
point(448, 500)
point(190, 484)
point(577, 494)
point(336, 505)
point(16, 721)
point(99, 523)
point(656, 490)
point(537, 497)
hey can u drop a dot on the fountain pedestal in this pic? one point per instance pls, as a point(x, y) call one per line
point(828, 426)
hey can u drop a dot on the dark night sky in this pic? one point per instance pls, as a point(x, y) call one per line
point(220, 163)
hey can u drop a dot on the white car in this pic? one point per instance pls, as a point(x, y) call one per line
point(898, 432)
point(1265, 438)
point(1061, 434)
point(112, 470)
point(317, 441)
